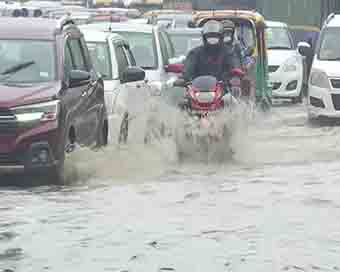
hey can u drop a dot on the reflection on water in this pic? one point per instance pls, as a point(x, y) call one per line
point(274, 207)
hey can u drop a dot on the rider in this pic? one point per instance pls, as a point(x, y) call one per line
point(213, 57)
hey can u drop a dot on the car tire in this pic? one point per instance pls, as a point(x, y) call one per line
point(124, 130)
point(103, 134)
point(57, 174)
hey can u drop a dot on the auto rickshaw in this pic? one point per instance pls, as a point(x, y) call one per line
point(251, 26)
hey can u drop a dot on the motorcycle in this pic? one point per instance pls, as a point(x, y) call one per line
point(206, 128)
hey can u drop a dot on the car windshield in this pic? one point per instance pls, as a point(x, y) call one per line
point(100, 55)
point(27, 61)
point(329, 48)
point(278, 38)
point(184, 42)
point(143, 48)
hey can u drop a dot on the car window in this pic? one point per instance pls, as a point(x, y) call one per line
point(130, 56)
point(77, 54)
point(86, 53)
point(122, 60)
point(329, 46)
point(143, 48)
point(164, 50)
point(68, 64)
point(278, 38)
point(169, 45)
point(100, 56)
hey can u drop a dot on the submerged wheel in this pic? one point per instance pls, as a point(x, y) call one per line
point(103, 134)
point(124, 129)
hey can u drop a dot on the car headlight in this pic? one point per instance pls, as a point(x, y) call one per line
point(319, 79)
point(42, 112)
point(291, 65)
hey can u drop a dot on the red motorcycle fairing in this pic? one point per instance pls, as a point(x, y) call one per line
point(205, 94)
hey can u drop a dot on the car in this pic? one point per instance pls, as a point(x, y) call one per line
point(51, 99)
point(285, 64)
point(324, 80)
point(174, 20)
point(123, 81)
point(185, 39)
point(151, 47)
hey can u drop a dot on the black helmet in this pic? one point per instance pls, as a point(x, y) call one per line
point(228, 31)
point(212, 33)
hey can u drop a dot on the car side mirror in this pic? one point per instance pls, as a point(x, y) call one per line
point(305, 49)
point(78, 78)
point(177, 68)
point(133, 74)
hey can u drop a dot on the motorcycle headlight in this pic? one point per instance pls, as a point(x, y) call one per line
point(319, 79)
point(42, 112)
point(291, 65)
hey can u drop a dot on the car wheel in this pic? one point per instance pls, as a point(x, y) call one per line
point(124, 129)
point(57, 174)
point(103, 134)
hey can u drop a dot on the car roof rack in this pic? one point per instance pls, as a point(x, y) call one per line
point(64, 21)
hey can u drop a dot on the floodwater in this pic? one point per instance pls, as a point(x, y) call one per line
point(275, 207)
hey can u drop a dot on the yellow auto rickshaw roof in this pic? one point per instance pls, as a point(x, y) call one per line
point(254, 16)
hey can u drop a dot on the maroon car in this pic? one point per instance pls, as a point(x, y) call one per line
point(50, 97)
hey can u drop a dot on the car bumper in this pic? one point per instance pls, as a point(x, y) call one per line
point(286, 84)
point(31, 151)
point(323, 102)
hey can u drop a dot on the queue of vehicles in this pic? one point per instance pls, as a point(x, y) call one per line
point(80, 90)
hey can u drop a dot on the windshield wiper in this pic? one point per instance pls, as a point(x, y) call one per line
point(280, 47)
point(17, 68)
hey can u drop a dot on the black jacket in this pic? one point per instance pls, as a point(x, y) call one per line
point(201, 62)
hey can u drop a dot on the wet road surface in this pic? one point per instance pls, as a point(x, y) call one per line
point(276, 207)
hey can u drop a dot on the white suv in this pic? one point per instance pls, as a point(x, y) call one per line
point(126, 93)
point(324, 80)
point(285, 64)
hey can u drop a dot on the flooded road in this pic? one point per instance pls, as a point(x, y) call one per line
point(276, 207)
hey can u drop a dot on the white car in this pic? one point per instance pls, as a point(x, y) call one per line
point(324, 79)
point(151, 47)
point(126, 92)
point(285, 64)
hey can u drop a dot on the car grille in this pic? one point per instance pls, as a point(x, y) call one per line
point(273, 68)
point(336, 101)
point(8, 124)
point(335, 83)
